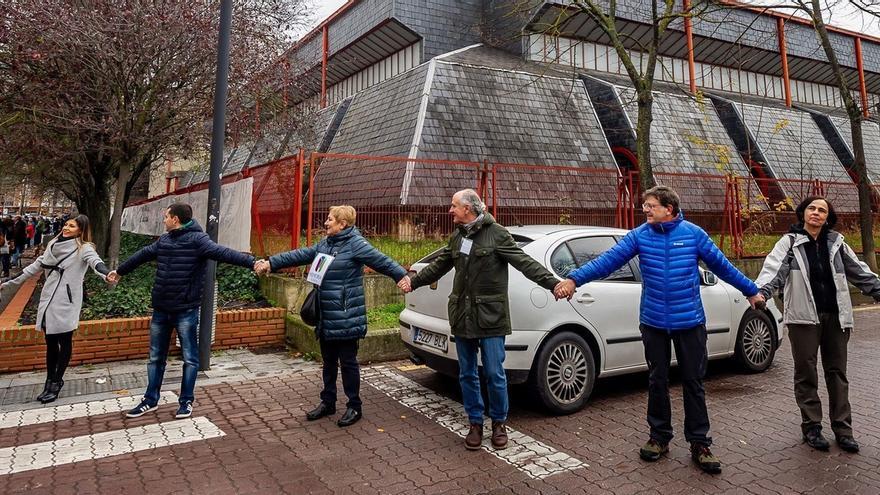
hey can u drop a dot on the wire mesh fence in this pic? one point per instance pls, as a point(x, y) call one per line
point(403, 204)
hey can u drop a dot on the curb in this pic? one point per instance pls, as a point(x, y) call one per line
point(379, 345)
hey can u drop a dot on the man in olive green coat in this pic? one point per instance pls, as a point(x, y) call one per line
point(479, 316)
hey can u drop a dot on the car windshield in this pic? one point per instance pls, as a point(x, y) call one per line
point(518, 239)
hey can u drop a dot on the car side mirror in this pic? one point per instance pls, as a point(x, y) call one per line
point(708, 278)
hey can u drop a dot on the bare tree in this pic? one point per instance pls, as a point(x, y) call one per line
point(92, 93)
point(642, 71)
point(816, 12)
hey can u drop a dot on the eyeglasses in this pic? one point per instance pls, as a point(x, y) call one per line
point(649, 206)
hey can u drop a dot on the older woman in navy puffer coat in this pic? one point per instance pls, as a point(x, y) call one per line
point(343, 318)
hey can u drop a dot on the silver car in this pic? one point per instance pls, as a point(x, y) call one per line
point(560, 347)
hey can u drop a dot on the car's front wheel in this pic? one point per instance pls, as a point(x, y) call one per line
point(755, 343)
point(564, 373)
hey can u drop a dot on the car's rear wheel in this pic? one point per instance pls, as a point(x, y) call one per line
point(755, 343)
point(564, 373)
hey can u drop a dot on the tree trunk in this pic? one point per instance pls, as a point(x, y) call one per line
point(866, 218)
point(122, 179)
point(98, 210)
point(643, 138)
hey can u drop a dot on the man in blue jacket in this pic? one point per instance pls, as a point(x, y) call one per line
point(671, 313)
point(181, 254)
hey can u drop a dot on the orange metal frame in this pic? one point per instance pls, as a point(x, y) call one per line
point(689, 34)
point(783, 54)
point(861, 68)
point(324, 50)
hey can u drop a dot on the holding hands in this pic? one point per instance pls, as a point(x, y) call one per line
point(113, 277)
point(262, 267)
point(404, 285)
point(564, 289)
point(757, 301)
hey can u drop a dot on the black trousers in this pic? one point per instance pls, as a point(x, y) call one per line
point(6, 259)
point(59, 348)
point(692, 357)
point(831, 341)
point(336, 354)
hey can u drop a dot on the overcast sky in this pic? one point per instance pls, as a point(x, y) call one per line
point(842, 14)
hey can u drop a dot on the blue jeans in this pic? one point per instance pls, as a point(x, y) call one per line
point(492, 349)
point(187, 325)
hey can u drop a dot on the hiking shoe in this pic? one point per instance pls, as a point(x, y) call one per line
point(704, 458)
point(184, 411)
point(814, 438)
point(474, 438)
point(499, 435)
point(141, 409)
point(652, 450)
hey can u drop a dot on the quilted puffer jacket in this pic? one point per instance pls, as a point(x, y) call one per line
point(180, 258)
point(668, 255)
point(343, 305)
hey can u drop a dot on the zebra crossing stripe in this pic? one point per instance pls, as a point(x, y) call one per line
point(534, 458)
point(100, 445)
point(50, 414)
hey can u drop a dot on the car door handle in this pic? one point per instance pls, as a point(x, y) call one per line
point(585, 299)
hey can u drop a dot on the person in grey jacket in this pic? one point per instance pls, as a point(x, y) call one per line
point(343, 314)
point(813, 264)
point(65, 261)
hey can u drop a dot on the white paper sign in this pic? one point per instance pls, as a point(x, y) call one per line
point(466, 246)
point(319, 268)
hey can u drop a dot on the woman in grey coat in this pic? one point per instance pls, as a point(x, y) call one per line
point(813, 264)
point(65, 262)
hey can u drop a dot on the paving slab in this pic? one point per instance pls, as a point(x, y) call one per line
point(248, 434)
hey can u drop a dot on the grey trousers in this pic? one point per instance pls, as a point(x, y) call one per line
point(828, 338)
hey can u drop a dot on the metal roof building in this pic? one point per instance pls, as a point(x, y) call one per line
point(479, 80)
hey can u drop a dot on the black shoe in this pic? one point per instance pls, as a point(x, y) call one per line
point(52, 392)
point(319, 412)
point(45, 390)
point(350, 417)
point(814, 439)
point(848, 444)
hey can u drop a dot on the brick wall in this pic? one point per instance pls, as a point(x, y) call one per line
point(98, 341)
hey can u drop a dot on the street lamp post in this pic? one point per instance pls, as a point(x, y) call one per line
point(221, 87)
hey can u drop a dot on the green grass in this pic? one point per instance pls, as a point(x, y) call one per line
point(384, 316)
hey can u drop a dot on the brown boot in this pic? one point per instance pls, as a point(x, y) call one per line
point(499, 435)
point(474, 438)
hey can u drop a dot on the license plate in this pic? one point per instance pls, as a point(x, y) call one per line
point(430, 339)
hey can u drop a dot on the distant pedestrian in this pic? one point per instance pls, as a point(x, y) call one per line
point(180, 254)
point(64, 263)
point(30, 231)
point(19, 236)
point(813, 263)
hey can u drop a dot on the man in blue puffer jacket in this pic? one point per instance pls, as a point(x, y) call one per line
point(669, 249)
point(180, 256)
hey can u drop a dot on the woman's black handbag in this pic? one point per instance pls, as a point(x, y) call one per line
point(310, 312)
